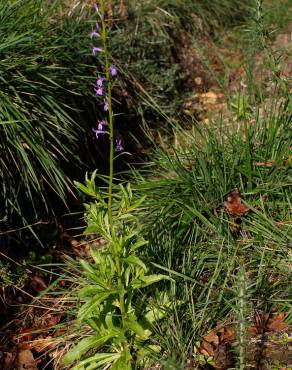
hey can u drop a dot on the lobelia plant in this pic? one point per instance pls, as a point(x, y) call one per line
point(111, 303)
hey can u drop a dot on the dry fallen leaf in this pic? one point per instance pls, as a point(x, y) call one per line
point(267, 164)
point(268, 323)
point(215, 344)
point(207, 349)
point(51, 320)
point(37, 284)
point(80, 249)
point(233, 204)
point(28, 337)
point(210, 97)
point(227, 334)
point(276, 322)
point(26, 361)
point(212, 338)
point(8, 360)
point(25, 335)
point(222, 357)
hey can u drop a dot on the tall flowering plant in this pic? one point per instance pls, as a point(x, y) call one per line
point(103, 89)
point(121, 324)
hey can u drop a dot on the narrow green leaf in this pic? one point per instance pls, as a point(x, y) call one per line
point(144, 281)
point(134, 260)
point(124, 362)
point(136, 327)
point(84, 345)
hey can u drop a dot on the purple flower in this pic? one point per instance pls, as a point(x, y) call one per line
point(119, 146)
point(97, 26)
point(99, 82)
point(96, 7)
point(95, 49)
point(105, 107)
point(113, 70)
point(99, 91)
point(99, 125)
point(99, 130)
point(94, 34)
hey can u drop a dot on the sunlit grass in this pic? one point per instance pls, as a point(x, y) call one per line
point(192, 237)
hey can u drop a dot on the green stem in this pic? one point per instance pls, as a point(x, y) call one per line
point(110, 113)
point(111, 161)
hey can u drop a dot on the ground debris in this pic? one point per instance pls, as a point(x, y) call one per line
point(269, 323)
point(217, 344)
point(7, 360)
point(26, 361)
point(268, 343)
point(81, 248)
point(37, 284)
point(233, 205)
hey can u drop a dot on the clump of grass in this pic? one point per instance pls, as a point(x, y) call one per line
point(192, 237)
point(42, 60)
point(223, 270)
